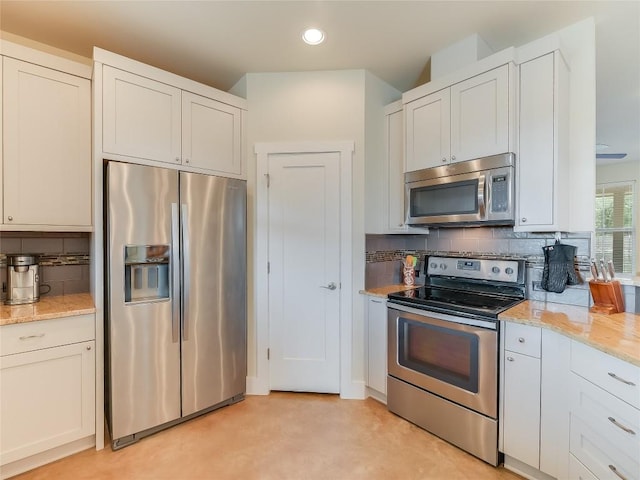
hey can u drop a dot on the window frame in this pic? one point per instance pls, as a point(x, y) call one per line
point(601, 188)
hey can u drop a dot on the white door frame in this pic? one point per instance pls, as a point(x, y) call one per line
point(260, 384)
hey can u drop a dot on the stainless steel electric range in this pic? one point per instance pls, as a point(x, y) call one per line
point(443, 348)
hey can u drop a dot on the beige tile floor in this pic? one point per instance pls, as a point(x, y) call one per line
point(282, 436)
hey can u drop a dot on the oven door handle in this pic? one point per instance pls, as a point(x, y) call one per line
point(473, 322)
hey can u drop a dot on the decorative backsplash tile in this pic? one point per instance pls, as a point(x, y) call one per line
point(63, 258)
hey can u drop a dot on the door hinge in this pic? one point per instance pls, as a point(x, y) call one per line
point(268, 354)
point(268, 179)
point(268, 267)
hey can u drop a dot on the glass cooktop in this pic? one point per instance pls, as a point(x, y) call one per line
point(453, 300)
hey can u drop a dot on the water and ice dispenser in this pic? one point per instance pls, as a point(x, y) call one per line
point(146, 273)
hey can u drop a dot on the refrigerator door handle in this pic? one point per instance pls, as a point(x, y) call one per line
point(186, 258)
point(175, 274)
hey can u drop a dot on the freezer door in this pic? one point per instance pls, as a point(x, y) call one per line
point(143, 378)
point(214, 353)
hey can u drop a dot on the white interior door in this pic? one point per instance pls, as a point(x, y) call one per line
point(304, 262)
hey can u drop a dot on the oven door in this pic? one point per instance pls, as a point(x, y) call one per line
point(435, 352)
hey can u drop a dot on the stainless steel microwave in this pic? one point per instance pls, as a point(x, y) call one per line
point(473, 192)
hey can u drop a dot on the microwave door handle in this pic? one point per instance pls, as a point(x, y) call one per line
point(482, 193)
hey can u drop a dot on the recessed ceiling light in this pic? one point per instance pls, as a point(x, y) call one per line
point(313, 36)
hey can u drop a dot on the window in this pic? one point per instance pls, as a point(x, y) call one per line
point(615, 226)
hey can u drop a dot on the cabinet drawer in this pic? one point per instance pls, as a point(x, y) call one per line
point(25, 337)
point(578, 471)
point(600, 456)
point(616, 376)
point(611, 418)
point(522, 339)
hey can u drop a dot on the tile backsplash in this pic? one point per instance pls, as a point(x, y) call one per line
point(384, 254)
point(63, 258)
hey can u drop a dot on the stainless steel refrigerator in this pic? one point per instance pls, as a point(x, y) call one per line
point(175, 297)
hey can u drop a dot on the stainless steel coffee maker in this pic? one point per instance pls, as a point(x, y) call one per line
point(23, 279)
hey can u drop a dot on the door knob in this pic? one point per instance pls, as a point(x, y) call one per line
point(331, 286)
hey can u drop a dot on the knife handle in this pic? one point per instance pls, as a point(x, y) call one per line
point(594, 270)
point(603, 271)
point(612, 272)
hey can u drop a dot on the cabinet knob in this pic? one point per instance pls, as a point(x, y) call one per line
point(177, 159)
point(10, 218)
point(510, 359)
point(187, 160)
point(521, 339)
point(88, 347)
point(444, 159)
point(453, 158)
point(524, 220)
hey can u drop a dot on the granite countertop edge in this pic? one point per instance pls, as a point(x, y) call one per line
point(48, 308)
point(617, 335)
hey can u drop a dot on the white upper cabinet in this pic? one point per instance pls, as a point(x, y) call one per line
point(480, 115)
point(153, 116)
point(384, 188)
point(428, 131)
point(470, 119)
point(141, 117)
point(46, 133)
point(542, 187)
point(211, 134)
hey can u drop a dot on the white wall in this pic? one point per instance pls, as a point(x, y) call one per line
point(315, 106)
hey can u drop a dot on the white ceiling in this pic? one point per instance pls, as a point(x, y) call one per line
point(216, 42)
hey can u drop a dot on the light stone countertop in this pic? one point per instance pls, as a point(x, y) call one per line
point(617, 334)
point(48, 308)
point(383, 292)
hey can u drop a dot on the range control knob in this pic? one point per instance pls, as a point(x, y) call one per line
point(495, 270)
point(443, 266)
point(434, 265)
point(509, 271)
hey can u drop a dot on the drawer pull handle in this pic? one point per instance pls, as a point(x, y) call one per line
point(615, 470)
point(27, 337)
point(620, 426)
point(613, 375)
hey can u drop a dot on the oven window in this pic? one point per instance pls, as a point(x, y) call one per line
point(445, 354)
point(448, 199)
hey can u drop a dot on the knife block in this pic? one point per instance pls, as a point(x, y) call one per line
point(607, 297)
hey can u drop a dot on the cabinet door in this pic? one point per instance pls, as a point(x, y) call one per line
point(377, 344)
point(141, 117)
point(1, 149)
point(395, 176)
point(543, 167)
point(428, 131)
point(211, 135)
point(480, 115)
point(522, 408)
point(47, 146)
point(47, 399)
point(536, 163)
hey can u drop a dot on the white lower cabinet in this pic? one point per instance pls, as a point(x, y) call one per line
point(534, 413)
point(377, 347)
point(605, 414)
point(521, 395)
point(47, 373)
point(578, 471)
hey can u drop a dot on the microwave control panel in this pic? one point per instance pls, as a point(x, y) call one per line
point(500, 193)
